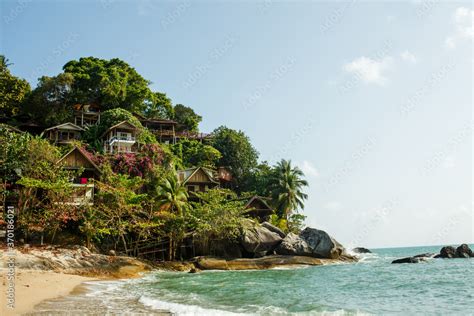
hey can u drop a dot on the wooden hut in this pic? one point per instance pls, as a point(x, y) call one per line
point(83, 184)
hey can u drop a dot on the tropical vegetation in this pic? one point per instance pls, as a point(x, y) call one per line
point(140, 197)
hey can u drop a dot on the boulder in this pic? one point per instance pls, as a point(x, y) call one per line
point(361, 250)
point(415, 259)
point(294, 245)
point(274, 229)
point(448, 252)
point(322, 245)
point(268, 262)
point(464, 251)
point(257, 239)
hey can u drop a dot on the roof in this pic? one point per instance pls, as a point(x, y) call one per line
point(83, 154)
point(189, 173)
point(261, 199)
point(68, 126)
point(131, 127)
point(154, 120)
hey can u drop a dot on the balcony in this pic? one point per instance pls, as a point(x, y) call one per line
point(122, 139)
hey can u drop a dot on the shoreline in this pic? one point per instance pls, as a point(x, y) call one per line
point(33, 287)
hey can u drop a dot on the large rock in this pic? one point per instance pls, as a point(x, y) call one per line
point(464, 251)
point(448, 252)
point(294, 245)
point(322, 245)
point(274, 229)
point(361, 250)
point(415, 259)
point(258, 240)
point(210, 263)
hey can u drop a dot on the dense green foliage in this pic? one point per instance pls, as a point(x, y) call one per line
point(187, 119)
point(194, 153)
point(111, 83)
point(238, 154)
point(13, 90)
point(50, 103)
point(139, 196)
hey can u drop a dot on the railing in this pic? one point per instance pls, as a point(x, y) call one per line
point(121, 138)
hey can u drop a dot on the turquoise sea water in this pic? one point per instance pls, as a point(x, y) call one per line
point(372, 286)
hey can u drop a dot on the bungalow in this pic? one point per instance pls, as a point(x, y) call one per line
point(258, 208)
point(164, 130)
point(120, 138)
point(198, 179)
point(83, 184)
point(64, 133)
point(86, 114)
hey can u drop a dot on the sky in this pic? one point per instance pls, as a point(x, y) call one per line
point(373, 101)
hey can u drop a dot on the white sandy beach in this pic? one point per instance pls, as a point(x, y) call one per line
point(33, 287)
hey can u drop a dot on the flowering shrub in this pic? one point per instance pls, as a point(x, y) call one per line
point(138, 164)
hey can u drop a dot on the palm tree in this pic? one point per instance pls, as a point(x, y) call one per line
point(172, 197)
point(286, 187)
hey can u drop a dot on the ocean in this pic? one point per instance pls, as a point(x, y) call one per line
point(371, 286)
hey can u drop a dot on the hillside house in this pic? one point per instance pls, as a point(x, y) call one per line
point(83, 184)
point(258, 208)
point(86, 115)
point(198, 179)
point(120, 138)
point(64, 133)
point(164, 130)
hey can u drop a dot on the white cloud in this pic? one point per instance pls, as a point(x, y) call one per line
point(463, 24)
point(309, 169)
point(369, 70)
point(407, 56)
point(333, 205)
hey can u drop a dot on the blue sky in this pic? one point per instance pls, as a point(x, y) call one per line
point(373, 101)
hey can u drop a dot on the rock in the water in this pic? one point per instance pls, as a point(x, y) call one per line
point(448, 252)
point(293, 245)
point(361, 250)
point(464, 251)
point(409, 260)
point(209, 263)
point(415, 259)
point(258, 239)
point(274, 229)
point(322, 245)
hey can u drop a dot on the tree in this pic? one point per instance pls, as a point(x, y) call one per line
point(218, 215)
point(172, 202)
point(13, 90)
point(196, 154)
point(160, 107)
point(187, 119)
point(120, 203)
point(110, 83)
point(50, 103)
point(258, 180)
point(286, 186)
point(238, 154)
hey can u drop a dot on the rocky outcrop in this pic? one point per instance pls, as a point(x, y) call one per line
point(210, 263)
point(259, 240)
point(274, 229)
point(322, 245)
point(294, 245)
point(361, 250)
point(448, 252)
point(78, 260)
point(415, 259)
point(464, 251)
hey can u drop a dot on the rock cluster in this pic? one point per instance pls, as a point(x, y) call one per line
point(448, 252)
point(266, 239)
